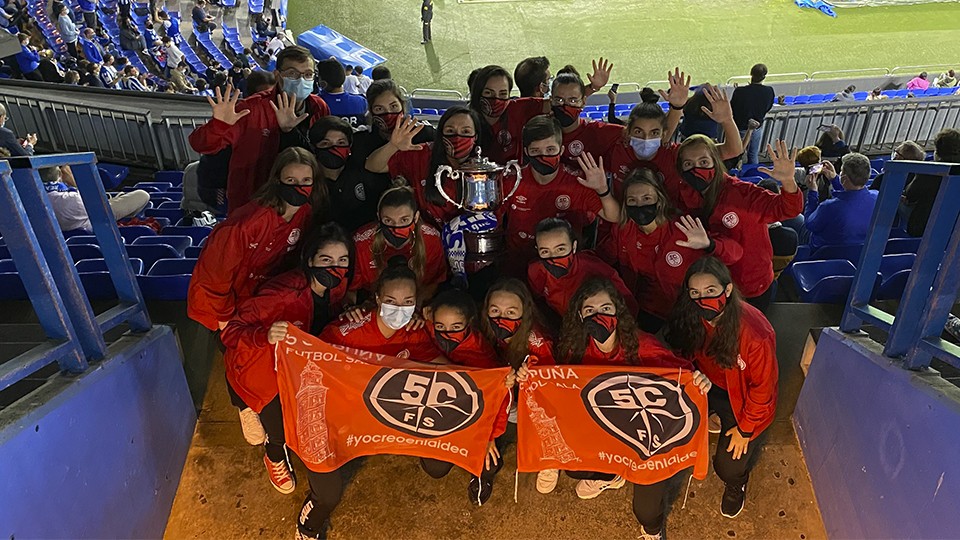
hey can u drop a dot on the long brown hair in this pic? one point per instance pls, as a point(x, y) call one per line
point(519, 346)
point(393, 198)
point(685, 331)
point(645, 176)
point(269, 193)
point(712, 194)
point(573, 336)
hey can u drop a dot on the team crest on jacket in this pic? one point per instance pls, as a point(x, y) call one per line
point(426, 404)
point(294, 237)
point(730, 220)
point(359, 192)
point(674, 259)
point(504, 138)
point(576, 148)
point(563, 202)
point(265, 132)
point(649, 413)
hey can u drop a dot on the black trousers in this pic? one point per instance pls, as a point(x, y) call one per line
point(648, 501)
point(438, 469)
point(762, 301)
point(272, 419)
point(326, 490)
point(427, 34)
point(90, 19)
point(72, 49)
point(735, 472)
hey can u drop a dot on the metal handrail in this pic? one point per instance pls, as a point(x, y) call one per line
point(921, 68)
point(436, 91)
point(813, 75)
point(806, 76)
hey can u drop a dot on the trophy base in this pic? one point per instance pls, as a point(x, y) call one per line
point(483, 249)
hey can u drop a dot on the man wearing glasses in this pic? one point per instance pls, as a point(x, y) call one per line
point(253, 127)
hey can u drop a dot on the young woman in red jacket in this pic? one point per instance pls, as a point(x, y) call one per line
point(737, 210)
point(399, 231)
point(653, 248)
point(308, 297)
point(561, 268)
point(247, 248)
point(735, 346)
point(418, 163)
point(598, 329)
point(453, 315)
point(502, 118)
point(567, 99)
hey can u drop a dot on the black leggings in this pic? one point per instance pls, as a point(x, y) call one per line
point(734, 472)
point(326, 490)
point(272, 419)
point(438, 469)
point(762, 301)
point(647, 500)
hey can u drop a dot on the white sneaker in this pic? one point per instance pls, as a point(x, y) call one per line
point(252, 428)
point(589, 489)
point(713, 424)
point(547, 480)
point(644, 535)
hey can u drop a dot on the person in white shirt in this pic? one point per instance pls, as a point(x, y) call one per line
point(351, 84)
point(274, 46)
point(68, 206)
point(365, 81)
point(174, 55)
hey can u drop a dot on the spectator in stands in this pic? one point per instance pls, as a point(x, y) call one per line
point(91, 77)
point(108, 72)
point(134, 80)
point(124, 8)
point(532, 77)
point(202, 20)
point(844, 219)
point(350, 107)
point(150, 35)
point(946, 80)
point(178, 80)
point(203, 89)
point(71, 77)
point(27, 59)
point(89, 10)
point(783, 239)
point(919, 82)
point(612, 107)
point(253, 127)
point(68, 206)
point(9, 141)
point(262, 27)
point(49, 68)
point(237, 77)
point(68, 30)
point(380, 73)
point(907, 150)
point(92, 50)
point(274, 46)
point(173, 54)
point(830, 142)
point(11, 15)
point(752, 102)
point(921, 193)
point(426, 17)
point(171, 26)
point(351, 84)
point(846, 94)
point(130, 37)
point(695, 119)
point(876, 94)
point(364, 80)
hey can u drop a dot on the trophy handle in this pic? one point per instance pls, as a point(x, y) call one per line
point(516, 166)
point(454, 175)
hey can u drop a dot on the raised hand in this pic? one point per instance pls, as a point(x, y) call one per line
point(225, 106)
point(697, 237)
point(601, 73)
point(783, 164)
point(679, 88)
point(719, 110)
point(286, 111)
point(702, 382)
point(277, 332)
point(403, 134)
point(593, 175)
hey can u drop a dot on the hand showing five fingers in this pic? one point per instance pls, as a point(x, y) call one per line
point(286, 110)
point(593, 175)
point(679, 88)
point(697, 237)
point(403, 134)
point(601, 73)
point(225, 105)
point(719, 110)
point(784, 164)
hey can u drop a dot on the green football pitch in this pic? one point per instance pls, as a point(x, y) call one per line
point(711, 39)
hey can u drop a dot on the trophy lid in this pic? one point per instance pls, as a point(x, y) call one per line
point(480, 164)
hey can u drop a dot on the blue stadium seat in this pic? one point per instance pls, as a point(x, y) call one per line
point(902, 245)
point(193, 252)
point(177, 242)
point(860, 96)
point(175, 178)
point(148, 189)
point(892, 287)
point(801, 100)
point(170, 204)
point(98, 285)
point(152, 254)
point(198, 234)
point(82, 252)
point(161, 186)
point(429, 112)
point(132, 232)
point(824, 282)
point(891, 264)
point(168, 279)
point(86, 239)
point(596, 115)
point(176, 196)
point(171, 214)
point(115, 174)
point(11, 288)
point(849, 253)
point(7, 265)
point(100, 265)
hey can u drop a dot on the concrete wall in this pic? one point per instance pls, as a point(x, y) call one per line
point(882, 444)
point(99, 455)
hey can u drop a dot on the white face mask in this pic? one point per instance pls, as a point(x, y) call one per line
point(396, 317)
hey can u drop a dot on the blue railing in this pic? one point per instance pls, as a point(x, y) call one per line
point(931, 290)
point(46, 268)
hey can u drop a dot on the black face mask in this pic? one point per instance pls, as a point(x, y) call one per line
point(333, 157)
point(600, 326)
point(328, 276)
point(545, 165)
point(642, 215)
point(448, 341)
point(699, 178)
point(564, 117)
point(295, 195)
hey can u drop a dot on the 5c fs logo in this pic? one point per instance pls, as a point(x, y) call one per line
point(649, 413)
point(426, 404)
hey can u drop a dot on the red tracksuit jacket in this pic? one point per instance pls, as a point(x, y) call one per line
point(595, 138)
point(558, 292)
point(240, 254)
point(249, 357)
point(650, 353)
point(414, 167)
point(255, 140)
point(507, 143)
point(474, 351)
point(742, 214)
point(752, 383)
point(366, 336)
point(366, 272)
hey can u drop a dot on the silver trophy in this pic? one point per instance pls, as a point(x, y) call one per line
point(480, 189)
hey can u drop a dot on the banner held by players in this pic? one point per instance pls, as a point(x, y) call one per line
point(339, 404)
point(645, 424)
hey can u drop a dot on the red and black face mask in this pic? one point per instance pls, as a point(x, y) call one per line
point(505, 328)
point(493, 106)
point(295, 195)
point(558, 266)
point(711, 306)
point(600, 326)
point(699, 177)
point(333, 157)
point(545, 165)
point(397, 236)
point(329, 276)
point(459, 147)
point(566, 114)
point(386, 122)
point(450, 340)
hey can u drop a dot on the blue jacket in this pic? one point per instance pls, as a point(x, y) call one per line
point(87, 5)
point(844, 219)
point(91, 50)
point(27, 59)
point(351, 107)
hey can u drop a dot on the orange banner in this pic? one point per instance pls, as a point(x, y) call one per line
point(340, 403)
point(645, 424)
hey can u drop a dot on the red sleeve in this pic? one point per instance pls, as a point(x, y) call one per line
point(255, 315)
point(609, 247)
point(617, 281)
point(536, 278)
point(363, 275)
point(588, 202)
point(761, 384)
point(543, 351)
point(211, 297)
point(476, 352)
point(503, 416)
point(728, 250)
point(421, 345)
point(771, 206)
point(604, 136)
point(653, 354)
point(436, 264)
point(410, 165)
